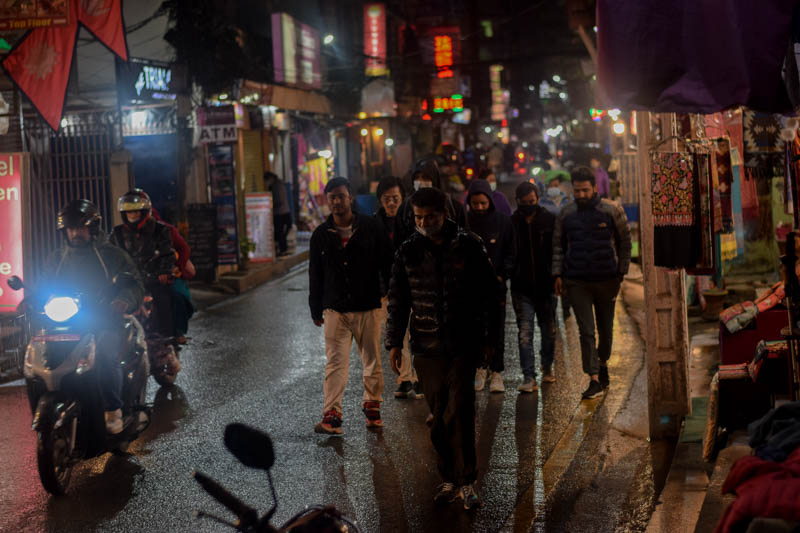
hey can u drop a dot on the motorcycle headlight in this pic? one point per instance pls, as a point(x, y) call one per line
point(61, 308)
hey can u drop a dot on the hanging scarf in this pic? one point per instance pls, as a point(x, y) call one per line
point(672, 188)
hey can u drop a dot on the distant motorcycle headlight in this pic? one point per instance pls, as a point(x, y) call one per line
point(61, 308)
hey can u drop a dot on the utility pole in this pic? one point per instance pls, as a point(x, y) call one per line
point(667, 334)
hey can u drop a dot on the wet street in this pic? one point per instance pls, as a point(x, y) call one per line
point(546, 461)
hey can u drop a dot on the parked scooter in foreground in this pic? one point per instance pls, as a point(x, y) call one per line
point(62, 382)
point(253, 448)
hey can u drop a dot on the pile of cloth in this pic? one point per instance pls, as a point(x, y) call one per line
point(739, 316)
point(767, 484)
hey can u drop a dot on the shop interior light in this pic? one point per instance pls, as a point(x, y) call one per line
point(325, 153)
point(362, 115)
point(524, 144)
point(619, 128)
point(426, 117)
point(487, 129)
point(531, 88)
point(557, 78)
point(379, 132)
point(223, 96)
point(562, 95)
point(364, 132)
point(328, 39)
point(614, 113)
point(389, 141)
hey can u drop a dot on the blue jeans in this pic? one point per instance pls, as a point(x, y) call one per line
point(526, 309)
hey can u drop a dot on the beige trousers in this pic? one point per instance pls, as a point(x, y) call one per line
point(340, 330)
point(407, 370)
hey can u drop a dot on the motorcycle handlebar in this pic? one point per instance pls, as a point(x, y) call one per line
point(247, 515)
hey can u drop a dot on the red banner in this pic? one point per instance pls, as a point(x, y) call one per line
point(375, 39)
point(10, 229)
point(103, 18)
point(40, 66)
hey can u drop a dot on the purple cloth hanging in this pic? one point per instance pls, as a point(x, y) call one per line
point(694, 57)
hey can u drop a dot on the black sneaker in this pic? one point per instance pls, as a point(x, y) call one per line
point(594, 390)
point(602, 377)
point(403, 390)
point(446, 493)
point(418, 394)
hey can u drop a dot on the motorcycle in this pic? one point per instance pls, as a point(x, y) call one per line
point(253, 449)
point(163, 351)
point(62, 381)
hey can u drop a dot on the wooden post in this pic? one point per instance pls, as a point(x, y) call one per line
point(667, 335)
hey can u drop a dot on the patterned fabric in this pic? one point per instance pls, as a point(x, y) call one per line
point(716, 198)
point(706, 259)
point(673, 188)
point(722, 156)
point(736, 202)
point(761, 138)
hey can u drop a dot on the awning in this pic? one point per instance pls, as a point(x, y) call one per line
point(286, 97)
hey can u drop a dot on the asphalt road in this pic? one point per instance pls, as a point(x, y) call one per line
point(259, 359)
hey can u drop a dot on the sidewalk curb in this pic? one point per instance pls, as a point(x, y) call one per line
point(245, 280)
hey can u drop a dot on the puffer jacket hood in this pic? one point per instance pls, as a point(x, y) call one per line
point(480, 186)
point(428, 168)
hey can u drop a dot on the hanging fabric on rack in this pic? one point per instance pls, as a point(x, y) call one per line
point(722, 156)
point(728, 247)
point(716, 198)
point(749, 195)
point(706, 259)
point(674, 190)
point(736, 205)
point(762, 140)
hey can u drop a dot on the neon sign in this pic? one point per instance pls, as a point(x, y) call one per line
point(454, 103)
point(443, 55)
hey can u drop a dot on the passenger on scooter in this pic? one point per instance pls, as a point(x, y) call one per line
point(87, 263)
point(149, 243)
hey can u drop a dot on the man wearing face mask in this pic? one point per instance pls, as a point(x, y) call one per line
point(442, 278)
point(591, 255)
point(554, 198)
point(497, 233)
point(498, 198)
point(532, 284)
point(424, 175)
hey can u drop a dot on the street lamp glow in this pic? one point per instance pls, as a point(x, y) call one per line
point(562, 95)
point(328, 39)
point(614, 113)
point(557, 78)
point(364, 132)
point(487, 129)
point(389, 141)
point(619, 128)
point(379, 132)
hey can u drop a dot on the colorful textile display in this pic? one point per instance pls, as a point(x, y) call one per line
point(706, 258)
point(673, 188)
point(771, 298)
point(736, 203)
point(716, 198)
point(722, 157)
point(728, 247)
point(738, 316)
point(763, 146)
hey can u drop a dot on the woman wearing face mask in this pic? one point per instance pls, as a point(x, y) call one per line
point(554, 198)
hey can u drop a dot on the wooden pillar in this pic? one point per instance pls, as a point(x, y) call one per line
point(667, 335)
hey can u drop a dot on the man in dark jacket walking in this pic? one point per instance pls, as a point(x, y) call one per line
point(591, 255)
point(349, 255)
point(497, 233)
point(443, 278)
point(532, 283)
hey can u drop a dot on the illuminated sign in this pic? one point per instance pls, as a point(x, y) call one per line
point(500, 97)
point(34, 14)
point(443, 55)
point(375, 39)
point(597, 114)
point(11, 241)
point(144, 81)
point(295, 52)
point(454, 103)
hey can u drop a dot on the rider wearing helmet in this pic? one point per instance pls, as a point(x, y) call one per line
point(87, 263)
point(149, 243)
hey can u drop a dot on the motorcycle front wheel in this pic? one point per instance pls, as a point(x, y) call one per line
point(53, 449)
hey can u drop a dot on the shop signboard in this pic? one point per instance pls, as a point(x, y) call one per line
point(223, 194)
point(202, 240)
point(375, 39)
point(141, 81)
point(295, 52)
point(11, 228)
point(35, 14)
point(216, 124)
point(260, 229)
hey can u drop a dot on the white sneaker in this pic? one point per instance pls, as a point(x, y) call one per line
point(480, 379)
point(114, 421)
point(496, 384)
point(529, 385)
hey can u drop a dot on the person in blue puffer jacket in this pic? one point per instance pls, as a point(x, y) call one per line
point(591, 255)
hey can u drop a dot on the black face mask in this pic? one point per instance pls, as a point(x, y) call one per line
point(527, 210)
point(480, 213)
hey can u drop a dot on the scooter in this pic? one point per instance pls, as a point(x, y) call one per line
point(163, 351)
point(62, 382)
point(253, 448)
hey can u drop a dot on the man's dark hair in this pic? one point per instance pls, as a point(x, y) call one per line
point(270, 175)
point(430, 197)
point(583, 174)
point(390, 182)
point(337, 182)
point(525, 188)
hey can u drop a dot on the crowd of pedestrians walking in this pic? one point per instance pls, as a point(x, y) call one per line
point(436, 272)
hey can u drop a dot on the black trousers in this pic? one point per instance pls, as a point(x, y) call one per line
point(283, 224)
point(449, 388)
point(161, 321)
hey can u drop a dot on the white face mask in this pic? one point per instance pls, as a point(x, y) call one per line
point(493, 185)
point(419, 184)
point(553, 192)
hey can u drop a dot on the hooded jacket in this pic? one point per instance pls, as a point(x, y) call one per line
point(348, 278)
point(91, 269)
point(428, 168)
point(447, 290)
point(494, 229)
point(592, 243)
point(150, 246)
point(534, 253)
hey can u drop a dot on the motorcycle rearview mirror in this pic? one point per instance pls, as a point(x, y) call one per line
point(252, 447)
point(15, 283)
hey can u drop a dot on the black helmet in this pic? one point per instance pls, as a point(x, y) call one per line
point(77, 214)
point(134, 200)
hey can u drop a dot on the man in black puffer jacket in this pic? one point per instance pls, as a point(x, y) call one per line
point(442, 276)
point(497, 233)
point(591, 255)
